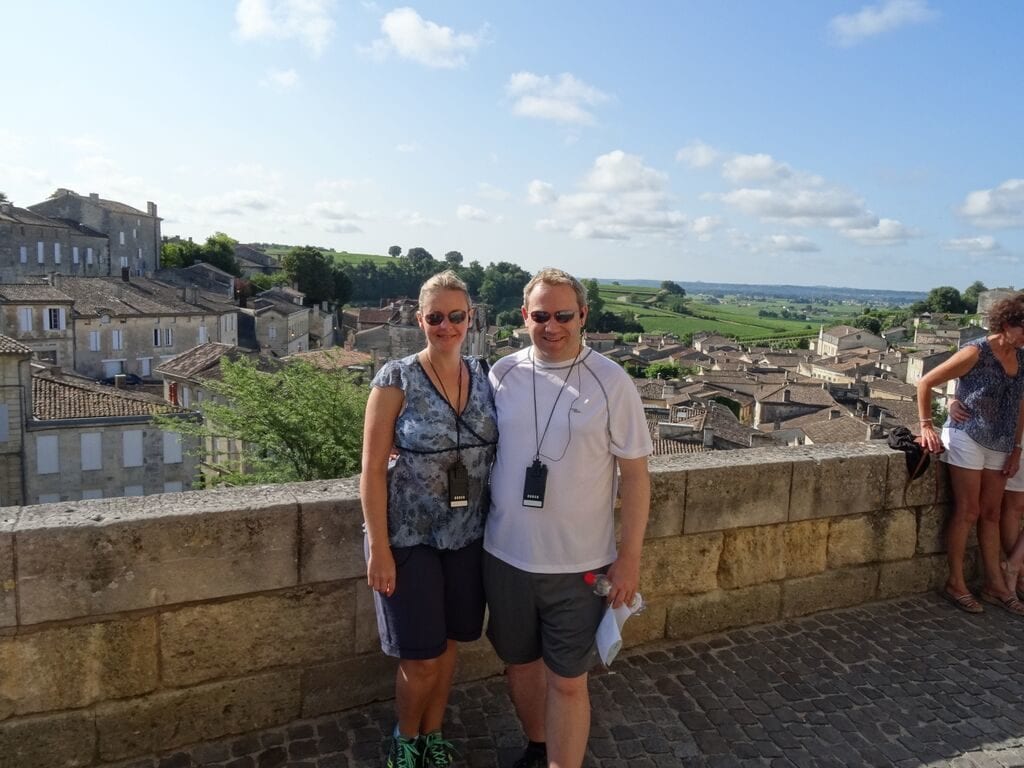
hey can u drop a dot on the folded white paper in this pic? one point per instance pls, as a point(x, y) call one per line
point(609, 632)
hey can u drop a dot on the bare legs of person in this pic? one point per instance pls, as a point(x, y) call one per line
point(422, 687)
point(554, 709)
point(977, 498)
point(1013, 538)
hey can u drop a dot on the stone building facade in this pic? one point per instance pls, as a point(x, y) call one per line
point(133, 235)
point(40, 317)
point(33, 245)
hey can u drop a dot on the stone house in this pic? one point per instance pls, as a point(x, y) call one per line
point(131, 324)
point(33, 245)
point(841, 338)
point(133, 236)
point(775, 403)
point(253, 261)
point(280, 322)
point(65, 438)
point(919, 363)
point(40, 317)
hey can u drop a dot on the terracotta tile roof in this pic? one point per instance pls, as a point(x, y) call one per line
point(31, 292)
point(332, 358)
point(110, 205)
point(195, 360)
point(65, 396)
point(845, 429)
point(649, 390)
point(675, 447)
point(801, 394)
point(95, 296)
point(25, 216)
point(11, 346)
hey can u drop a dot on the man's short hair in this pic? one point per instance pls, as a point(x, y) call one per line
point(552, 276)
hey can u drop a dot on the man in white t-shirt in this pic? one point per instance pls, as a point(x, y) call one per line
point(570, 422)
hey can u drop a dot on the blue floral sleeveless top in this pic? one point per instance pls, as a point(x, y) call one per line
point(992, 397)
point(425, 440)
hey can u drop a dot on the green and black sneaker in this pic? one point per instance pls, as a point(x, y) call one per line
point(403, 753)
point(437, 752)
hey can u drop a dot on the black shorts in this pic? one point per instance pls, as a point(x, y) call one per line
point(553, 616)
point(439, 596)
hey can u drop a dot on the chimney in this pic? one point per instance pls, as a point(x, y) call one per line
point(125, 274)
point(5, 207)
point(151, 209)
point(709, 437)
point(834, 414)
point(94, 195)
point(119, 381)
point(193, 294)
point(787, 396)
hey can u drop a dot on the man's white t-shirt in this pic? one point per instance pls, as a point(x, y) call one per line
point(597, 418)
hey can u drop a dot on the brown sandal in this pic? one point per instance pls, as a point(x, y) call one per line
point(1008, 604)
point(966, 602)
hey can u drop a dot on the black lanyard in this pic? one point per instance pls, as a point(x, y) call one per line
point(538, 436)
point(458, 432)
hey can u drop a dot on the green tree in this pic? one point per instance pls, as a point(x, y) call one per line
point(503, 285)
point(263, 282)
point(970, 295)
point(342, 285)
point(473, 276)
point(3, 198)
point(672, 287)
point(453, 258)
point(417, 255)
point(180, 253)
point(595, 304)
point(395, 251)
point(311, 272)
point(663, 371)
point(945, 298)
point(510, 317)
point(868, 323)
point(297, 423)
point(219, 250)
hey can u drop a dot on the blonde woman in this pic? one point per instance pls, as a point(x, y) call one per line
point(429, 441)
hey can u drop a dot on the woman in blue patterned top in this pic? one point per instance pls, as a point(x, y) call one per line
point(983, 450)
point(429, 440)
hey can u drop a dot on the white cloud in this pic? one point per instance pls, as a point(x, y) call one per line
point(807, 206)
point(620, 198)
point(284, 79)
point(748, 169)
point(491, 192)
point(412, 37)
point(407, 148)
point(308, 21)
point(873, 20)
point(885, 232)
point(704, 226)
point(467, 212)
point(791, 243)
point(979, 244)
point(697, 154)
point(237, 202)
point(416, 219)
point(1002, 206)
point(565, 99)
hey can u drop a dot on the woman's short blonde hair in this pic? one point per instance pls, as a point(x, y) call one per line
point(552, 276)
point(443, 281)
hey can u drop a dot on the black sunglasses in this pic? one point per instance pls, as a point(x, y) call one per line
point(563, 316)
point(455, 317)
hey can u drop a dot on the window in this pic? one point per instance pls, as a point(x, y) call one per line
point(112, 367)
point(168, 337)
point(92, 450)
point(202, 334)
point(47, 455)
point(272, 332)
point(56, 253)
point(49, 498)
point(140, 254)
point(88, 255)
point(24, 254)
point(122, 238)
point(172, 448)
point(163, 337)
point(135, 234)
point(39, 252)
point(94, 493)
point(94, 341)
point(173, 487)
point(117, 339)
point(131, 445)
point(124, 261)
point(145, 366)
point(54, 319)
point(5, 423)
point(25, 319)
point(133, 490)
point(186, 397)
point(74, 254)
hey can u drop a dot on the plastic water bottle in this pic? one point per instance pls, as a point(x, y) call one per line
point(603, 585)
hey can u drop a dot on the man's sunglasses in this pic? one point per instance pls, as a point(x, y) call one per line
point(563, 316)
point(455, 317)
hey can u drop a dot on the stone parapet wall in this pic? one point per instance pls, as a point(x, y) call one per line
point(139, 625)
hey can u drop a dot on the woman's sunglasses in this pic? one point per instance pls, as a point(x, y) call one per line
point(455, 317)
point(563, 316)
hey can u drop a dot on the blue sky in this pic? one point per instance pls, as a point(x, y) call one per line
point(839, 143)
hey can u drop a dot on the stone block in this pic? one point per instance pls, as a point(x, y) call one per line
point(170, 719)
point(476, 661)
point(871, 538)
point(837, 485)
point(366, 633)
point(8, 602)
point(829, 590)
point(930, 488)
point(806, 545)
point(66, 739)
point(737, 495)
point(128, 553)
point(668, 499)
point(346, 684)
point(931, 529)
point(331, 518)
point(70, 667)
point(908, 577)
point(752, 556)
point(647, 626)
point(684, 564)
point(301, 626)
point(723, 609)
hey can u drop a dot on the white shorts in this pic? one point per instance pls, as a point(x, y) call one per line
point(962, 451)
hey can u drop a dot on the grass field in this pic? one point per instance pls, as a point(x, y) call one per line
point(340, 257)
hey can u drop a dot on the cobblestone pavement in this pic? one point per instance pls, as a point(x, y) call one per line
point(911, 682)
